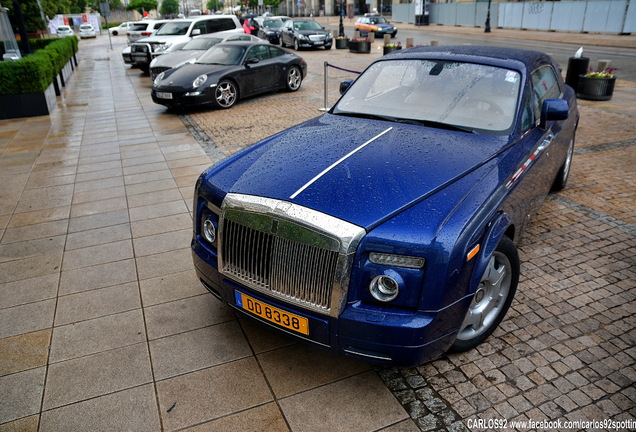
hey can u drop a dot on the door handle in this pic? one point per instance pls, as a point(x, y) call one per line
point(546, 142)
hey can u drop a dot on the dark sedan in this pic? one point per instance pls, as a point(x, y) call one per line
point(305, 33)
point(228, 72)
point(269, 29)
point(387, 228)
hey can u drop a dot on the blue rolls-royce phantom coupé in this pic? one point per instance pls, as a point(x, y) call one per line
point(386, 229)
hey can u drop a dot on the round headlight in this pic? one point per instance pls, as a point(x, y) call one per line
point(384, 288)
point(209, 231)
point(199, 80)
point(159, 78)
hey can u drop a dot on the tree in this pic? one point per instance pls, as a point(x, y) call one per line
point(142, 5)
point(78, 6)
point(94, 4)
point(169, 7)
point(214, 5)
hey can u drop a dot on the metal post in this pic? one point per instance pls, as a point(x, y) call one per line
point(324, 107)
point(487, 29)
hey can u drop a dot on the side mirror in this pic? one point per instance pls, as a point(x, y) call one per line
point(251, 60)
point(196, 32)
point(553, 109)
point(344, 86)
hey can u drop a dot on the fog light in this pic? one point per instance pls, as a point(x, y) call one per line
point(384, 288)
point(209, 231)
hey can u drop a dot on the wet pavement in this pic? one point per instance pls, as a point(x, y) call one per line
point(103, 325)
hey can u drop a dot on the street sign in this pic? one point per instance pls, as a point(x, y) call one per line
point(104, 9)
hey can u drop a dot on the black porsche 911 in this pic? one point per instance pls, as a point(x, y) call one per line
point(228, 72)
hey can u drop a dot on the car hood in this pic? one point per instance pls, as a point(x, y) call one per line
point(174, 58)
point(163, 39)
point(361, 171)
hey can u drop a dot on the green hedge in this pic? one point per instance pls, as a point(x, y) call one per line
point(35, 72)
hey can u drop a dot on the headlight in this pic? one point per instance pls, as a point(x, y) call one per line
point(159, 78)
point(396, 260)
point(209, 231)
point(328, 36)
point(384, 288)
point(199, 80)
point(303, 37)
point(162, 47)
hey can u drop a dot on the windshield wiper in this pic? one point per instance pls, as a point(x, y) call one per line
point(435, 124)
point(429, 123)
point(368, 116)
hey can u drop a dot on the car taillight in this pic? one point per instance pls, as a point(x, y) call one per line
point(146, 33)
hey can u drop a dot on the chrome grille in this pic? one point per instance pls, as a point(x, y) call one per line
point(157, 70)
point(289, 269)
point(139, 48)
point(296, 254)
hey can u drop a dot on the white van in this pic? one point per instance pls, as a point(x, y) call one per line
point(176, 33)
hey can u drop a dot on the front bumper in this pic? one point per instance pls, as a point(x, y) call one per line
point(315, 44)
point(179, 99)
point(377, 335)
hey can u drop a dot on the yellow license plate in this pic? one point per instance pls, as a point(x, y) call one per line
point(272, 314)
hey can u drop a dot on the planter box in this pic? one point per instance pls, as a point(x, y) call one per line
point(342, 43)
point(387, 50)
point(598, 89)
point(360, 47)
point(28, 105)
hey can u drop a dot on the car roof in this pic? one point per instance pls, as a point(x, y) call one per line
point(219, 35)
point(496, 56)
point(246, 43)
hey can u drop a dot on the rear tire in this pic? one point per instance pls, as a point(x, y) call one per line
point(493, 297)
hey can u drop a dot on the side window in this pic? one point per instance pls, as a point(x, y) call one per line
point(545, 86)
point(201, 26)
point(261, 52)
point(213, 26)
point(527, 117)
point(227, 24)
point(275, 51)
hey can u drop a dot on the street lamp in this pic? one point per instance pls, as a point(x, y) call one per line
point(487, 29)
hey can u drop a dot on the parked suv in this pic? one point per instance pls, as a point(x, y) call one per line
point(143, 29)
point(176, 33)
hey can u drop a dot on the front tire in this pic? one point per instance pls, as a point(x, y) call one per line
point(225, 94)
point(296, 45)
point(294, 79)
point(492, 300)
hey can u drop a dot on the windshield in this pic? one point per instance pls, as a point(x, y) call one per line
point(174, 28)
point(63, 28)
point(467, 96)
point(201, 43)
point(274, 23)
point(307, 25)
point(223, 55)
point(378, 20)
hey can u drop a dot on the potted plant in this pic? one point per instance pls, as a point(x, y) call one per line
point(392, 46)
point(342, 42)
point(597, 84)
point(360, 45)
